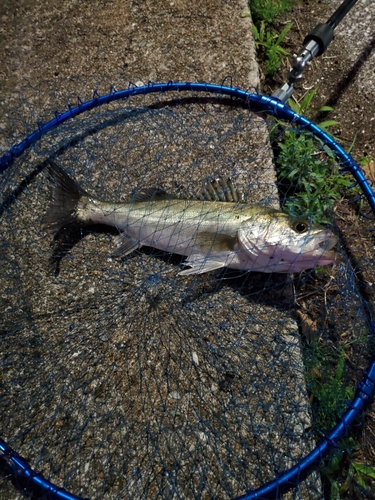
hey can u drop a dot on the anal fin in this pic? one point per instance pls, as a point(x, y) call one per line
point(125, 245)
point(201, 266)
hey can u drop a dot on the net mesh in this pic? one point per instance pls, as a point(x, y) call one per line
point(121, 379)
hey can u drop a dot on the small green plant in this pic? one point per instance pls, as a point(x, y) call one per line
point(344, 473)
point(333, 466)
point(364, 161)
point(329, 393)
point(270, 42)
point(304, 108)
point(326, 386)
point(309, 176)
point(268, 10)
point(361, 472)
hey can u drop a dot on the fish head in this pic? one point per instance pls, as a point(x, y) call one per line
point(276, 242)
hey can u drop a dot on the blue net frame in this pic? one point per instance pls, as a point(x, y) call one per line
point(17, 468)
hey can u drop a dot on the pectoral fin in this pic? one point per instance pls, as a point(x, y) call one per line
point(207, 245)
point(125, 245)
point(201, 266)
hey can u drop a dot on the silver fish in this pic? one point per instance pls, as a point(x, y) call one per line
point(218, 230)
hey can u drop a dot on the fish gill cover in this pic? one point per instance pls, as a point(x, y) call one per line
point(122, 379)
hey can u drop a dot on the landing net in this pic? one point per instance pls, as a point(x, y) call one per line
point(121, 379)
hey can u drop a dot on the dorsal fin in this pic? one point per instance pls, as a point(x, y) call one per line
point(151, 194)
point(220, 190)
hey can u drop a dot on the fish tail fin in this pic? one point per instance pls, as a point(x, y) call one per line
point(65, 197)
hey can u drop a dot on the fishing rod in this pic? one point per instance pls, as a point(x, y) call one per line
point(314, 45)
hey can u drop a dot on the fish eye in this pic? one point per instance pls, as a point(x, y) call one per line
point(300, 226)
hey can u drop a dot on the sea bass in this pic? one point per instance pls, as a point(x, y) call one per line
point(214, 231)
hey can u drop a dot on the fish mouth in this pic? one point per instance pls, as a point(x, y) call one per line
point(329, 242)
point(328, 245)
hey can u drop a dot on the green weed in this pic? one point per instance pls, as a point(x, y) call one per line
point(270, 42)
point(334, 465)
point(305, 108)
point(361, 473)
point(268, 10)
point(310, 180)
point(364, 161)
point(327, 386)
point(329, 393)
point(309, 175)
point(346, 475)
point(264, 12)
